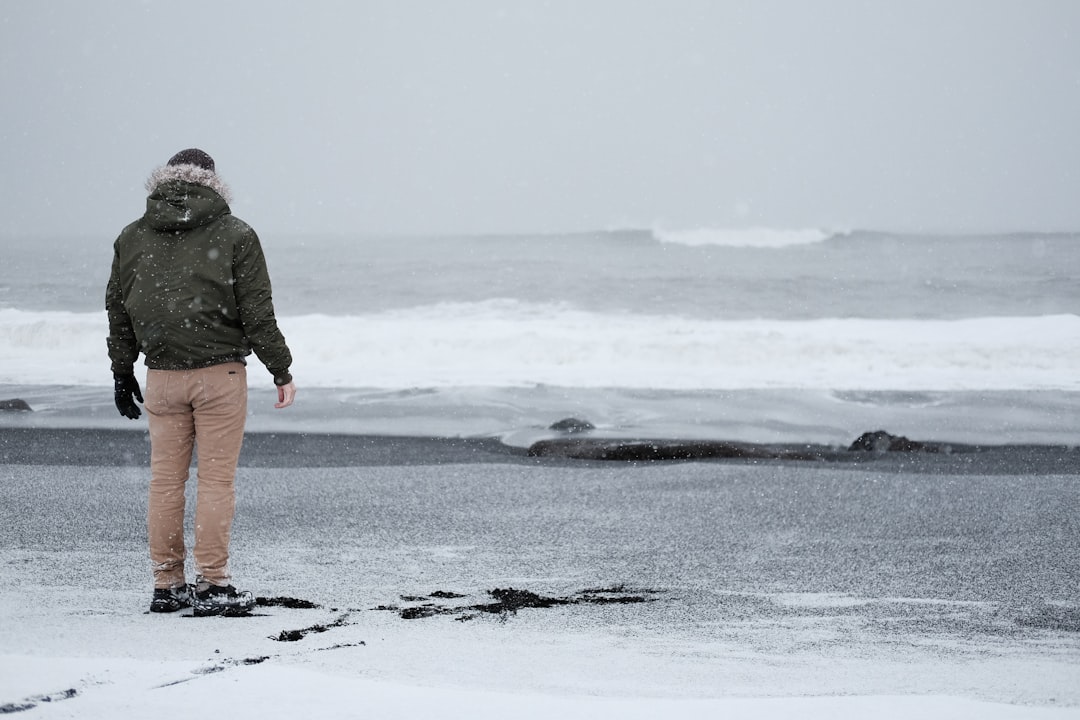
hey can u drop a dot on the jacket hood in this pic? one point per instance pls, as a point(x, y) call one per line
point(183, 197)
point(189, 173)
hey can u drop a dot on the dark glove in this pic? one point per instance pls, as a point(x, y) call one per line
point(126, 391)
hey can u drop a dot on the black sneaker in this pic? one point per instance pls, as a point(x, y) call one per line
point(220, 600)
point(167, 600)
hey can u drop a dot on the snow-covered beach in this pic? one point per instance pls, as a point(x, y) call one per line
point(767, 590)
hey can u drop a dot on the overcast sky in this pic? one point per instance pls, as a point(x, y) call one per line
point(469, 116)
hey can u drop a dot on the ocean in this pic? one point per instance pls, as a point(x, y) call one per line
point(759, 334)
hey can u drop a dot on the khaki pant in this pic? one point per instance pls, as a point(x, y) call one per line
point(205, 408)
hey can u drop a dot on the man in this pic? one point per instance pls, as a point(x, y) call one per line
point(189, 289)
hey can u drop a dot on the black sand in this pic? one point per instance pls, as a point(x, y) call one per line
point(117, 448)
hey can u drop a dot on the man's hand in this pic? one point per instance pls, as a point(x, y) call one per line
point(285, 395)
point(126, 391)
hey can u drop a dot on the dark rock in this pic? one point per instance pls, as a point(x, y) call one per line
point(880, 441)
point(15, 405)
point(572, 425)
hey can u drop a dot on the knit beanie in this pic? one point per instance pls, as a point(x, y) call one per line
point(193, 156)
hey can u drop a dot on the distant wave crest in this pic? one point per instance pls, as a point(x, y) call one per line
point(755, 237)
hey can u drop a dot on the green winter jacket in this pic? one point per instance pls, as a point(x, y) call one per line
point(189, 286)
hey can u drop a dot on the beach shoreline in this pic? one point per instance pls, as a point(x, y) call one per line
point(520, 417)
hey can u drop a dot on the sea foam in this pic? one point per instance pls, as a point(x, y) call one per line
point(507, 343)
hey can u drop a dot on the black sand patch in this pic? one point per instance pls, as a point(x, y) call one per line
point(424, 611)
point(32, 702)
point(616, 595)
point(340, 646)
point(209, 670)
point(286, 602)
point(508, 601)
point(255, 660)
point(296, 635)
point(214, 669)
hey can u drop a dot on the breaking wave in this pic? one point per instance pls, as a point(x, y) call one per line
point(758, 237)
point(508, 343)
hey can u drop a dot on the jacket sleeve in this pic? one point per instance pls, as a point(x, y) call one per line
point(123, 346)
point(256, 306)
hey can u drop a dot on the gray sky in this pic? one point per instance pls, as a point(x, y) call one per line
point(469, 116)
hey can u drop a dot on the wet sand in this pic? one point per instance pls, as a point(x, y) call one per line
point(104, 447)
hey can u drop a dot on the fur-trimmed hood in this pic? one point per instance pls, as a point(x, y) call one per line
point(189, 173)
point(183, 197)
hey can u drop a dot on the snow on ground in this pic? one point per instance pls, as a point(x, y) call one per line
point(125, 688)
point(122, 663)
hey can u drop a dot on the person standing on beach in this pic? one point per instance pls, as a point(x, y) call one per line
point(190, 290)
